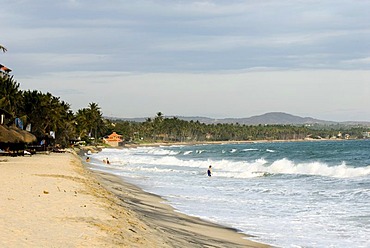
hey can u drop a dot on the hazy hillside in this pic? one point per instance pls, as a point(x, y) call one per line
point(268, 118)
point(275, 118)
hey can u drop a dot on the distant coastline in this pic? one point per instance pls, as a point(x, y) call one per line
point(270, 118)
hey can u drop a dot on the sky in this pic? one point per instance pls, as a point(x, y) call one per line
point(219, 59)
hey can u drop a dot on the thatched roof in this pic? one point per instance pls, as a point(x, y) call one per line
point(8, 136)
point(27, 136)
point(15, 135)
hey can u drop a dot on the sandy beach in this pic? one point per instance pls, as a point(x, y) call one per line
point(54, 201)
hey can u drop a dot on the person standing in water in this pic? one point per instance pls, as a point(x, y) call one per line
point(209, 171)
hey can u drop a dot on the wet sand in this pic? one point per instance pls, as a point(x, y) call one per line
point(54, 201)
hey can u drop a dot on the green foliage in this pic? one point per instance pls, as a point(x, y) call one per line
point(90, 123)
point(10, 95)
point(162, 129)
point(45, 113)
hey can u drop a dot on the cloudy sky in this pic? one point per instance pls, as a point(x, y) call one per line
point(220, 58)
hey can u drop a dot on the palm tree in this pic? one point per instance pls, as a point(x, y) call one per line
point(83, 122)
point(46, 113)
point(96, 120)
point(10, 95)
point(90, 121)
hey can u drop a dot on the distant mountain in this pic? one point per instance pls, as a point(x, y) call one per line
point(268, 118)
point(278, 118)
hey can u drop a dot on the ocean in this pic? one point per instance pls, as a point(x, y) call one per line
point(286, 194)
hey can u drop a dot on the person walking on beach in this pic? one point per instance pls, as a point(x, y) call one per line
point(209, 171)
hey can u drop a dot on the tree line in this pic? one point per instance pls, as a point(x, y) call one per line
point(44, 113)
point(161, 129)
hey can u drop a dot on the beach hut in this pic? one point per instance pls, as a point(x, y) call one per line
point(9, 135)
point(13, 140)
point(113, 139)
point(27, 137)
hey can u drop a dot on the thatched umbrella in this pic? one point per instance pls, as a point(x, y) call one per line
point(26, 136)
point(10, 136)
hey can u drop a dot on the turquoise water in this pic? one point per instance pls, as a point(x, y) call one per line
point(288, 194)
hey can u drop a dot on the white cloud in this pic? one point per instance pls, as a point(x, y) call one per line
point(61, 60)
point(363, 60)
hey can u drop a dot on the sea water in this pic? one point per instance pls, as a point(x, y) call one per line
point(287, 194)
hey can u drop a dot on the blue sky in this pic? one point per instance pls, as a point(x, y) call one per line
point(223, 58)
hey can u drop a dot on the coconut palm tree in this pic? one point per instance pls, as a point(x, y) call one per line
point(46, 113)
point(96, 120)
point(90, 121)
point(10, 95)
point(82, 122)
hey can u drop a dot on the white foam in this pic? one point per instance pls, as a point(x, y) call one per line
point(242, 193)
point(285, 166)
point(250, 149)
point(234, 169)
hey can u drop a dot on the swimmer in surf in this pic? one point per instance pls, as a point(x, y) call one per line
point(209, 171)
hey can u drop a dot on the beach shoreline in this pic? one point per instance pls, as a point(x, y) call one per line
point(55, 200)
point(179, 230)
point(52, 200)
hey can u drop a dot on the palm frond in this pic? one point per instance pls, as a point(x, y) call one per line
point(2, 48)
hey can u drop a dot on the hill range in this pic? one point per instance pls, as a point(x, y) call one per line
point(277, 118)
